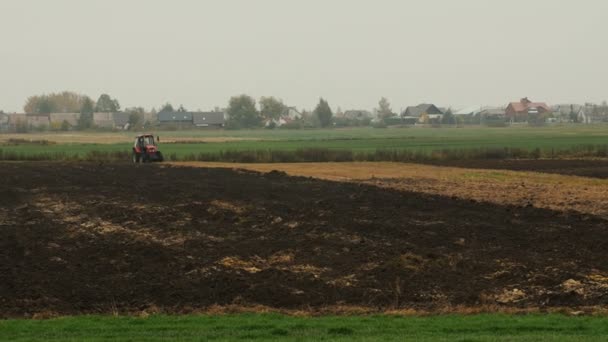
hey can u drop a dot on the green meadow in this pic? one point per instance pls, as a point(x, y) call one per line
point(567, 139)
point(272, 327)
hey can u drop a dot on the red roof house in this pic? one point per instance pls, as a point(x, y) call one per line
point(519, 111)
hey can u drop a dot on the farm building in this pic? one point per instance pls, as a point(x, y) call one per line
point(103, 120)
point(15, 120)
point(174, 117)
point(522, 110)
point(38, 121)
point(208, 119)
point(57, 119)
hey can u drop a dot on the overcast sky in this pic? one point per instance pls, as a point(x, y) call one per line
point(200, 52)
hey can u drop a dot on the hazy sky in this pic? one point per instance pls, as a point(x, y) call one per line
point(352, 52)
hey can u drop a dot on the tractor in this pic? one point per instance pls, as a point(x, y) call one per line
point(145, 150)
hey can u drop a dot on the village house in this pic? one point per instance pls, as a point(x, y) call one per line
point(426, 113)
point(421, 109)
point(521, 111)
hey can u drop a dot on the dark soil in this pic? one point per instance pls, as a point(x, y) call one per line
point(89, 238)
point(597, 168)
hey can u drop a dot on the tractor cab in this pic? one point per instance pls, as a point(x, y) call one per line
point(144, 141)
point(146, 150)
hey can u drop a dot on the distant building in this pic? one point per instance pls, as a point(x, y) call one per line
point(175, 119)
point(118, 120)
point(103, 120)
point(121, 119)
point(3, 122)
point(471, 111)
point(566, 112)
point(192, 119)
point(422, 110)
point(522, 110)
point(495, 112)
point(57, 119)
point(208, 119)
point(493, 116)
point(14, 120)
point(592, 114)
point(38, 121)
point(150, 117)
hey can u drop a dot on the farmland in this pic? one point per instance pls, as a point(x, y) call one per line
point(472, 249)
point(89, 238)
point(207, 145)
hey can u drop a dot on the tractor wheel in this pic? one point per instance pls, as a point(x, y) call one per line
point(160, 157)
point(135, 158)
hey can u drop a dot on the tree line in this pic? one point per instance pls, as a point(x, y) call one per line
point(243, 111)
point(70, 102)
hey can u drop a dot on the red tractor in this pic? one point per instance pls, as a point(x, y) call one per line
point(145, 150)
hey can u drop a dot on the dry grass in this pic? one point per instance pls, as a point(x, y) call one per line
point(550, 191)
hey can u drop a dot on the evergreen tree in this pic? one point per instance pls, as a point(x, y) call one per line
point(323, 113)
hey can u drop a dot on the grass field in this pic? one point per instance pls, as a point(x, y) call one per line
point(186, 144)
point(250, 327)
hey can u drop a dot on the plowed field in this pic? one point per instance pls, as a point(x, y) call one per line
point(106, 238)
